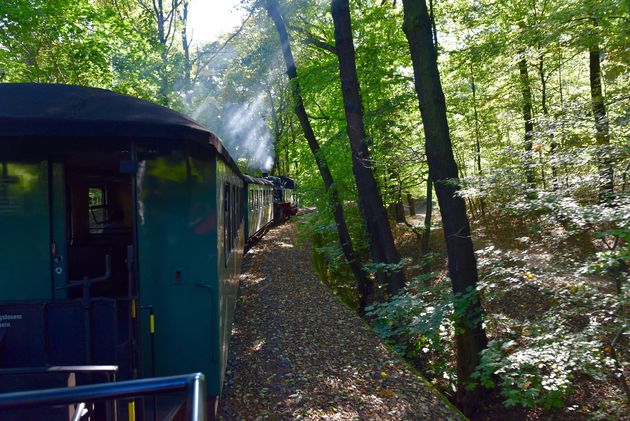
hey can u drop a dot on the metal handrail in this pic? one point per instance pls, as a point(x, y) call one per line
point(59, 369)
point(108, 370)
point(194, 384)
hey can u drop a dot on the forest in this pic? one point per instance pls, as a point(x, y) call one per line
point(467, 163)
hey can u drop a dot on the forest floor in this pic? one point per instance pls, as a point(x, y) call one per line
point(540, 272)
point(296, 352)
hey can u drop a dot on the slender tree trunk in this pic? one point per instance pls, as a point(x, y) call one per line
point(380, 238)
point(545, 109)
point(400, 207)
point(365, 284)
point(427, 216)
point(526, 91)
point(602, 137)
point(470, 335)
point(562, 131)
point(287, 170)
point(477, 135)
point(277, 136)
point(161, 22)
point(186, 48)
point(412, 205)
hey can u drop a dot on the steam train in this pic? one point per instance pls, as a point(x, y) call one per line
point(123, 225)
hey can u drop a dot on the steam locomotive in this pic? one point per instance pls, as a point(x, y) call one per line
point(123, 225)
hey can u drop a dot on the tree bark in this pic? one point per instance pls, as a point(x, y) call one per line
point(400, 210)
point(277, 135)
point(412, 205)
point(545, 109)
point(365, 284)
point(166, 21)
point(160, 19)
point(470, 336)
point(477, 134)
point(380, 238)
point(400, 207)
point(186, 48)
point(427, 216)
point(526, 91)
point(602, 137)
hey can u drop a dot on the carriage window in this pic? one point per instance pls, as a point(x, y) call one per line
point(227, 235)
point(240, 204)
point(97, 209)
point(234, 216)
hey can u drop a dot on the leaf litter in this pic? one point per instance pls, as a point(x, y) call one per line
point(296, 353)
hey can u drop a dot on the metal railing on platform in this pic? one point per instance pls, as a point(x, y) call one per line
point(193, 384)
point(109, 370)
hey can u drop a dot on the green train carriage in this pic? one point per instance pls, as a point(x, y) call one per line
point(259, 205)
point(109, 206)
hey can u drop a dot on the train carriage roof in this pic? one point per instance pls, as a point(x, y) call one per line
point(253, 180)
point(51, 111)
point(281, 181)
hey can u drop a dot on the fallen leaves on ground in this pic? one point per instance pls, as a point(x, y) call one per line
point(297, 353)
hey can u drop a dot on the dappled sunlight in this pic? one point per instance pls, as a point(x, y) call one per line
point(252, 280)
point(283, 245)
point(258, 345)
point(301, 354)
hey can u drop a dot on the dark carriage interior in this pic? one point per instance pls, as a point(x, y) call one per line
point(81, 326)
point(99, 223)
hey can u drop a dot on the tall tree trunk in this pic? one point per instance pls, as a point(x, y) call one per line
point(400, 207)
point(365, 284)
point(470, 336)
point(477, 134)
point(562, 111)
point(277, 136)
point(380, 238)
point(427, 216)
point(545, 110)
point(166, 21)
point(602, 137)
point(412, 205)
point(186, 48)
point(526, 91)
point(161, 22)
point(287, 169)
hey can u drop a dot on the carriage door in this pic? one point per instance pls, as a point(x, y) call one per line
point(99, 225)
point(91, 243)
point(58, 219)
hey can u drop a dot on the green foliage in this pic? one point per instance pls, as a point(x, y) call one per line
point(419, 324)
point(540, 349)
point(555, 280)
point(328, 260)
point(617, 256)
point(75, 42)
point(376, 267)
point(539, 368)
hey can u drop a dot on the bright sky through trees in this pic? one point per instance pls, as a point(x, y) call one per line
point(210, 18)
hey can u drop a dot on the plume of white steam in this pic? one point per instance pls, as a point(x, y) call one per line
point(242, 129)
